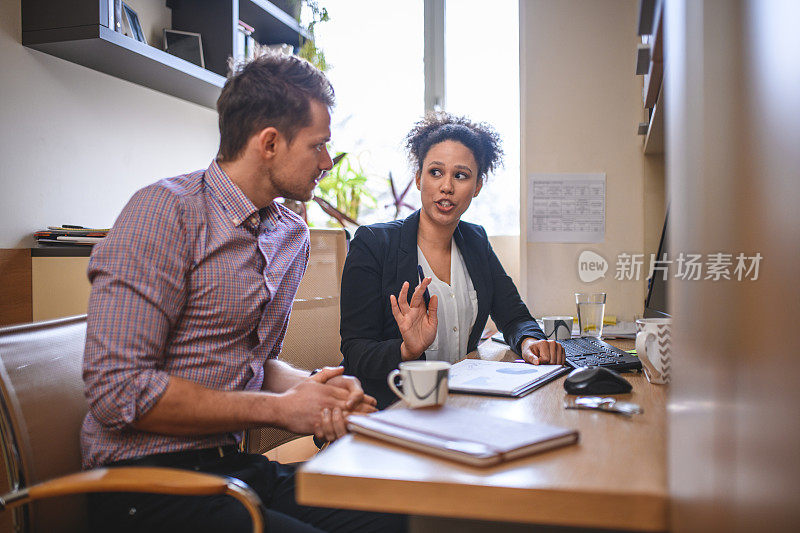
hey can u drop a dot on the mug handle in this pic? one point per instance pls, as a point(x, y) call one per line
point(560, 324)
point(642, 339)
point(390, 379)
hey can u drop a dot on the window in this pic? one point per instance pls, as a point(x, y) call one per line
point(482, 82)
point(376, 50)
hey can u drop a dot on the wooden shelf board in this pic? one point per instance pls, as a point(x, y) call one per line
point(113, 53)
point(15, 290)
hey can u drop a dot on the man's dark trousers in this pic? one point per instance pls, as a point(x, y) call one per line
point(273, 482)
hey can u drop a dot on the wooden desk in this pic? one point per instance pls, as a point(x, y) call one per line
point(614, 478)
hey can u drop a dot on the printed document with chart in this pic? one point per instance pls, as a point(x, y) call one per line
point(566, 207)
point(498, 378)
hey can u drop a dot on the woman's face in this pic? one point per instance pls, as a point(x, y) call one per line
point(448, 181)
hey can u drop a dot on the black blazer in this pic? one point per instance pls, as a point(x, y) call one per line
point(382, 257)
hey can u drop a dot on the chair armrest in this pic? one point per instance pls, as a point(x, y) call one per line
point(141, 479)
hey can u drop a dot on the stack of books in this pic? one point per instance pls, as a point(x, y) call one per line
point(68, 235)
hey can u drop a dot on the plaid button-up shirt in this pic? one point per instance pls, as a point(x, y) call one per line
point(192, 281)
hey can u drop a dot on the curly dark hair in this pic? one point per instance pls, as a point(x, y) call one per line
point(480, 137)
point(272, 90)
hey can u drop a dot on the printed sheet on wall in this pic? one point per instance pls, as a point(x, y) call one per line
point(566, 208)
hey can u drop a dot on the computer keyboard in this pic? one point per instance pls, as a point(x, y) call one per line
point(589, 351)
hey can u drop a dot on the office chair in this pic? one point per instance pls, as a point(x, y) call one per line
point(312, 337)
point(42, 406)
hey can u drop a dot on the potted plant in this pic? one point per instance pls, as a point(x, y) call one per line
point(344, 189)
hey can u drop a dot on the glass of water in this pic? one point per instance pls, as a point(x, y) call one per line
point(591, 306)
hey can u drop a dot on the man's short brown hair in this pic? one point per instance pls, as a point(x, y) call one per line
point(273, 90)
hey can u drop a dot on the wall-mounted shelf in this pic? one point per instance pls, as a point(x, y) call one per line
point(77, 30)
point(654, 139)
point(102, 49)
point(272, 24)
point(216, 21)
point(647, 9)
point(651, 23)
point(655, 73)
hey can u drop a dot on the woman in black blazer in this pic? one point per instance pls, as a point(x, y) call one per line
point(381, 324)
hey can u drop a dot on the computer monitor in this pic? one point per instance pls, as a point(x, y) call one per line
point(657, 305)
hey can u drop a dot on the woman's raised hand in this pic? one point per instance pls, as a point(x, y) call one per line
point(417, 324)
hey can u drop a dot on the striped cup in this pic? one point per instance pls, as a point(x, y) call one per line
point(653, 348)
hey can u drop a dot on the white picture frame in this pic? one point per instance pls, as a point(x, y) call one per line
point(131, 25)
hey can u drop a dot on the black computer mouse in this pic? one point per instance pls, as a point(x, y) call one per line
point(596, 380)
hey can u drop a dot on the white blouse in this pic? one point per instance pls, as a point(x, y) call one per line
point(457, 311)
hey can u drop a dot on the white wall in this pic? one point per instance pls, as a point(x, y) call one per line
point(75, 143)
point(581, 102)
point(507, 249)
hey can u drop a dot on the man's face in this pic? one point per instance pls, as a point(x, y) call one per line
point(299, 165)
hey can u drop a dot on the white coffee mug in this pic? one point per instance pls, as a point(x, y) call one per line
point(557, 328)
point(653, 348)
point(424, 382)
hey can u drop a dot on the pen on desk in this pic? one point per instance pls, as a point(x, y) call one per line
point(427, 295)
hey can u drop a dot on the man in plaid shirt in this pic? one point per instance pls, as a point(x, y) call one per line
point(191, 295)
